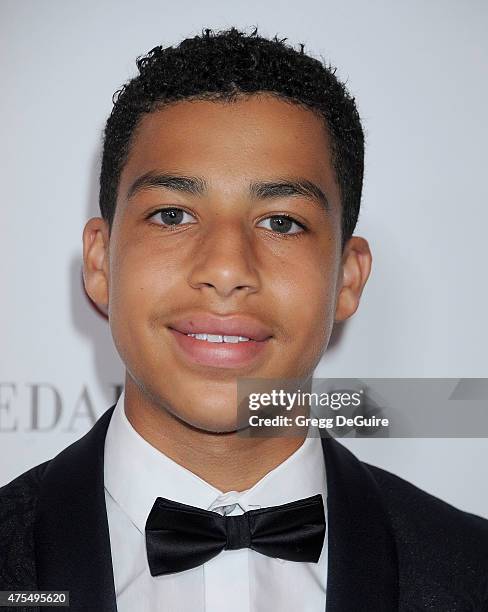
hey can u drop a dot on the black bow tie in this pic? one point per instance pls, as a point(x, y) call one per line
point(179, 537)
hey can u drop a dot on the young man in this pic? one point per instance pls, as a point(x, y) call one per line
point(229, 191)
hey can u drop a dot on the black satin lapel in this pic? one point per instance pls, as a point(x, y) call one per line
point(362, 560)
point(72, 541)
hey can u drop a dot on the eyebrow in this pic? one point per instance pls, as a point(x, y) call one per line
point(262, 190)
point(290, 187)
point(187, 184)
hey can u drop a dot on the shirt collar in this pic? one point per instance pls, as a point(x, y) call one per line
point(136, 473)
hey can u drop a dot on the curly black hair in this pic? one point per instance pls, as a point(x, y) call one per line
point(223, 66)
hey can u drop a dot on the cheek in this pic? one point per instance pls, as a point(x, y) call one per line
point(142, 277)
point(312, 282)
point(313, 311)
point(140, 288)
point(307, 307)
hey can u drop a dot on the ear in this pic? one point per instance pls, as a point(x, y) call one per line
point(356, 266)
point(96, 260)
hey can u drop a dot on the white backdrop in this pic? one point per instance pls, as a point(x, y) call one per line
point(418, 71)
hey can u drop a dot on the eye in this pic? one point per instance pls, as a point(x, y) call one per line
point(282, 224)
point(170, 216)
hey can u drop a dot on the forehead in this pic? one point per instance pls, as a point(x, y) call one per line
point(258, 136)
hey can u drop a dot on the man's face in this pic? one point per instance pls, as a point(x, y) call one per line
point(222, 255)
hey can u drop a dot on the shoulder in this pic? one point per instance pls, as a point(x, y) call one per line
point(440, 548)
point(18, 501)
point(24, 485)
point(412, 508)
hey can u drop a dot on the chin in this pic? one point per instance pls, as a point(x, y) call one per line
point(212, 423)
point(206, 409)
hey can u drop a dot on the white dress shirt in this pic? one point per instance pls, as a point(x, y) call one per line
point(136, 473)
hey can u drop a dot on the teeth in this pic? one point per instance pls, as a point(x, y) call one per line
point(219, 338)
point(214, 338)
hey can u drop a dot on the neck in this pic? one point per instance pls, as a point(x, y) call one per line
point(227, 461)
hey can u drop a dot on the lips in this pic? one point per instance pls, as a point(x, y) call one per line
point(248, 354)
point(235, 325)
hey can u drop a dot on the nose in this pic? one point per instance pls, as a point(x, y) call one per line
point(225, 261)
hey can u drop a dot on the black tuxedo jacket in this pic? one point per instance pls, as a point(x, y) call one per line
point(391, 545)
